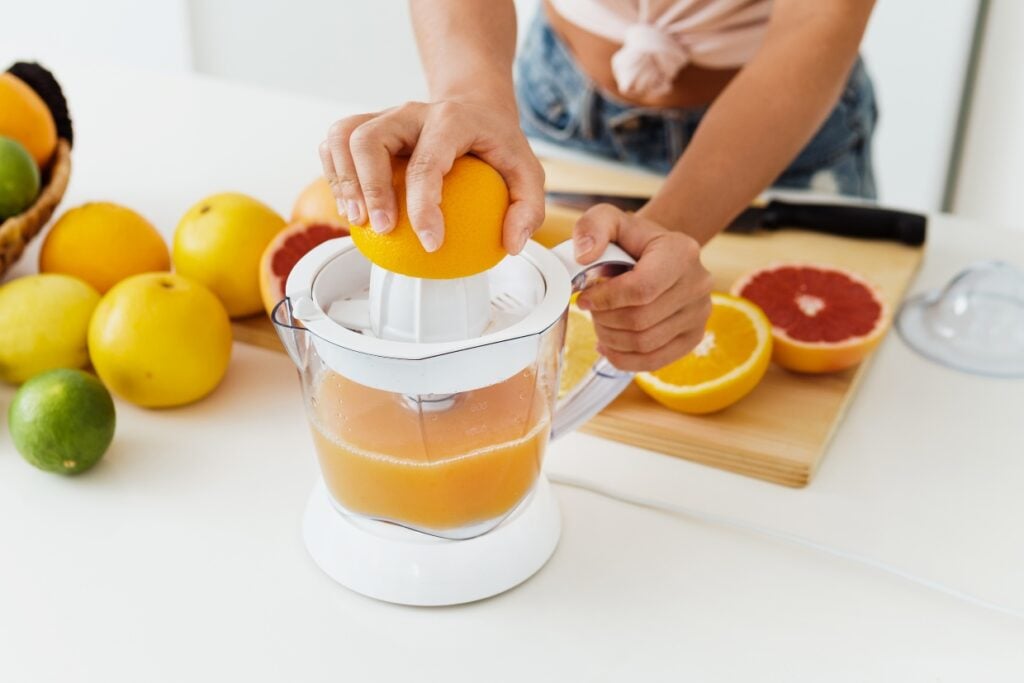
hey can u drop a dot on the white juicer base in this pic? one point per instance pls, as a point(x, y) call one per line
point(391, 563)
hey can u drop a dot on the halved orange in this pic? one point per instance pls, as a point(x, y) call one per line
point(823, 319)
point(284, 251)
point(727, 364)
point(580, 350)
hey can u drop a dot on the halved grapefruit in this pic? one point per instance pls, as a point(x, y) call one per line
point(824, 319)
point(284, 251)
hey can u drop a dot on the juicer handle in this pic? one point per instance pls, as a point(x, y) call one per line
point(604, 382)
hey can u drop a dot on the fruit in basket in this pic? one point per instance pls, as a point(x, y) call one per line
point(219, 242)
point(25, 117)
point(284, 251)
point(160, 340)
point(725, 366)
point(62, 421)
point(316, 204)
point(473, 204)
point(19, 178)
point(823, 319)
point(103, 243)
point(39, 78)
point(43, 324)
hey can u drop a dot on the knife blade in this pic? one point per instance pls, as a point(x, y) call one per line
point(844, 220)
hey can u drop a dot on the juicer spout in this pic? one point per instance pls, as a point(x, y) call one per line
point(294, 336)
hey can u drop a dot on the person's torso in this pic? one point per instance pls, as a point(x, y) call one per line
point(660, 53)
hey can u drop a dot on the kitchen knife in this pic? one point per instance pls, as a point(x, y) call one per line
point(845, 220)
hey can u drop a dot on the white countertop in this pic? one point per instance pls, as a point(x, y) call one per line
point(180, 557)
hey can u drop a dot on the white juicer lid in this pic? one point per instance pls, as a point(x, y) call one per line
point(336, 274)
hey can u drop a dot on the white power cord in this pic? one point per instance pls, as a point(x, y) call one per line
point(721, 520)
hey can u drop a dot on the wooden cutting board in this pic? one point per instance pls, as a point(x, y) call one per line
point(780, 432)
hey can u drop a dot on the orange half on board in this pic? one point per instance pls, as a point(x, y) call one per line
point(725, 366)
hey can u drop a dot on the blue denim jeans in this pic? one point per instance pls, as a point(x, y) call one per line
point(559, 103)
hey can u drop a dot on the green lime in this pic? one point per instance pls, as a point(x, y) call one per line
point(19, 178)
point(62, 421)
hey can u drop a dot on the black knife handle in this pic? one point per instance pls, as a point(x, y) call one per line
point(847, 220)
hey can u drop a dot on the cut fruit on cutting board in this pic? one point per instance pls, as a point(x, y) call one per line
point(725, 366)
point(779, 432)
point(823, 319)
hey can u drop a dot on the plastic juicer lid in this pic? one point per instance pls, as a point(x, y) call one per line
point(336, 271)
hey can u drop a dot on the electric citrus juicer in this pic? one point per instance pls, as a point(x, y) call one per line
point(431, 403)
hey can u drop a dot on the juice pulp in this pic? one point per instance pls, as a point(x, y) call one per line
point(431, 470)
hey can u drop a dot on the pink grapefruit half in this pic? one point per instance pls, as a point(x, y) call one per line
point(285, 250)
point(824, 319)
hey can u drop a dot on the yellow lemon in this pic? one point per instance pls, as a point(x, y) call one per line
point(727, 364)
point(43, 325)
point(219, 242)
point(474, 200)
point(103, 243)
point(160, 340)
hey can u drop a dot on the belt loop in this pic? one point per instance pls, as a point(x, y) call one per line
point(587, 113)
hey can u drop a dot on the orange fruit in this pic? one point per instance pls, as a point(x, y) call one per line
point(823, 319)
point(580, 350)
point(474, 199)
point(727, 364)
point(284, 251)
point(316, 204)
point(25, 117)
point(103, 243)
point(219, 242)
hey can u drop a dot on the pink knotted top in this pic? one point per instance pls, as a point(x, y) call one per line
point(660, 37)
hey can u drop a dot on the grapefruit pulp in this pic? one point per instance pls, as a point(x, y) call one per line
point(284, 251)
point(823, 319)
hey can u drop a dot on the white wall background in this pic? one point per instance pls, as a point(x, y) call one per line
point(917, 52)
point(991, 173)
point(348, 50)
point(363, 52)
point(151, 34)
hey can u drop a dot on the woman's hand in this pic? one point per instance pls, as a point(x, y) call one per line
point(357, 153)
point(656, 313)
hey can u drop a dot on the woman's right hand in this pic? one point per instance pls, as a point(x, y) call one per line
point(357, 153)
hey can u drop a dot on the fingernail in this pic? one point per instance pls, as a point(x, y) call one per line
point(352, 212)
point(523, 239)
point(583, 245)
point(380, 221)
point(429, 241)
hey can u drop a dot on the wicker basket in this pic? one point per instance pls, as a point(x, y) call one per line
point(17, 231)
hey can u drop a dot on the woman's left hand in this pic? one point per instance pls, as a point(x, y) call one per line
point(656, 313)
